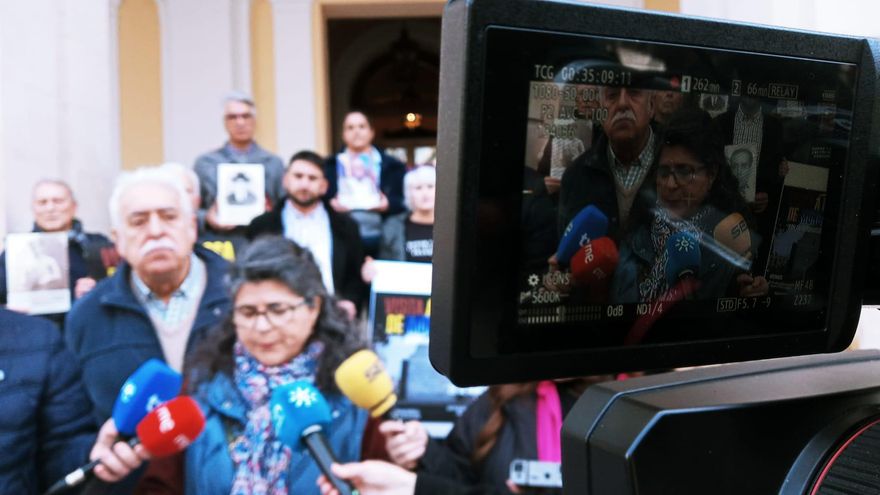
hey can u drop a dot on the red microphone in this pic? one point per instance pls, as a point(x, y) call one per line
point(164, 431)
point(593, 266)
point(171, 427)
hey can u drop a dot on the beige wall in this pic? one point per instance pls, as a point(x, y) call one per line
point(263, 72)
point(140, 68)
point(140, 84)
point(93, 86)
point(57, 118)
point(665, 5)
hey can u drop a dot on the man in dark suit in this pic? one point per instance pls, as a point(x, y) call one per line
point(332, 237)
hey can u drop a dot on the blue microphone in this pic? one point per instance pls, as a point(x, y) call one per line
point(299, 415)
point(589, 223)
point(682, 258)
point(150, 385)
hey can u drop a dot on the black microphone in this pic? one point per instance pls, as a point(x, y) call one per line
point(77, 477)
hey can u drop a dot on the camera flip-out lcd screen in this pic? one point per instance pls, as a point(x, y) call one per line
point(669, 193)
point(615, 197)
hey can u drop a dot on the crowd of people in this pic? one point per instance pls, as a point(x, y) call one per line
point(240, 309)
point(236, 308)
point(658, 168)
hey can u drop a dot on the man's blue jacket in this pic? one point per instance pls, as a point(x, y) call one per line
point(46, 425)
point(112, 335)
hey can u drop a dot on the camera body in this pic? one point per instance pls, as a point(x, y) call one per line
point(773, 426)
point(515, 74)
point(554, 259)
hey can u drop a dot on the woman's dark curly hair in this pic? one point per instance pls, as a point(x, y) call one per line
point(278, 259)
point(694, 131)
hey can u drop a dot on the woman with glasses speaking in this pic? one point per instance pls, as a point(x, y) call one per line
point(284, 327)
point(698, 241)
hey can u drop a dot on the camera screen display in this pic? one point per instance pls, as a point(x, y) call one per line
point(666, 193)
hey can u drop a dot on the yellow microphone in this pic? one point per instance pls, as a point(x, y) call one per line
point(363, 379)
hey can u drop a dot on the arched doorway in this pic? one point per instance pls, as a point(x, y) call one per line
point(389, 69)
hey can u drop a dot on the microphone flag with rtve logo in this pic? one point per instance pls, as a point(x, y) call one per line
point(171, 427)
point(590, 223)
point(150, 385)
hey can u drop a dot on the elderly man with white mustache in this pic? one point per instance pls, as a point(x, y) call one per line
point(611, 175)
point(160, 302)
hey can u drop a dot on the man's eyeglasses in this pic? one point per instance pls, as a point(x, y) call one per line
point(236, 116)
point(683, 174)
point(277, 314)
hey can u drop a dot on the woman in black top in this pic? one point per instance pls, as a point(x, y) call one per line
point(409, 236)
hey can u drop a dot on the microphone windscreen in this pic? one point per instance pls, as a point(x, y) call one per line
point(150, 385)
point(363, 379)
point(595, 262)
point(589, 223)
point(298, 408)
point(171, 427)
point(682, 257)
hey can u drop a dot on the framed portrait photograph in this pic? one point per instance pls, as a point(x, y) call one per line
point(358, 181)
point(714, 104)
point(241, 192)
point(743, 161)
point(37, 272)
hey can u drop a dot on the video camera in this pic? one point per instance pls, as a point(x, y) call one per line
point(624, 190)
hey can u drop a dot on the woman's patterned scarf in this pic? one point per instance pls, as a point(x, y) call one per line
point(654, 285)
point(260, 460)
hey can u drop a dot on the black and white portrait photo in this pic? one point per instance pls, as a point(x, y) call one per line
point(37, 268)
point(713, 104)
point(741, 158)
point(240, 192)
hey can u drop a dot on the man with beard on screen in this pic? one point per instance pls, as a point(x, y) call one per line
point(332, 237)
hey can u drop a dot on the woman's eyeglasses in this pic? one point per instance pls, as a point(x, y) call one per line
point(277, 314)
point(683, 174)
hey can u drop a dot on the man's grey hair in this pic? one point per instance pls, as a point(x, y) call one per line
point(145, 175)
point(53, 181)
point(241, 97)
point(179, 169)
point(423, 174)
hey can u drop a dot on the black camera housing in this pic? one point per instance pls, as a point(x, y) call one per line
point(489, 48)
point(775, 426)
